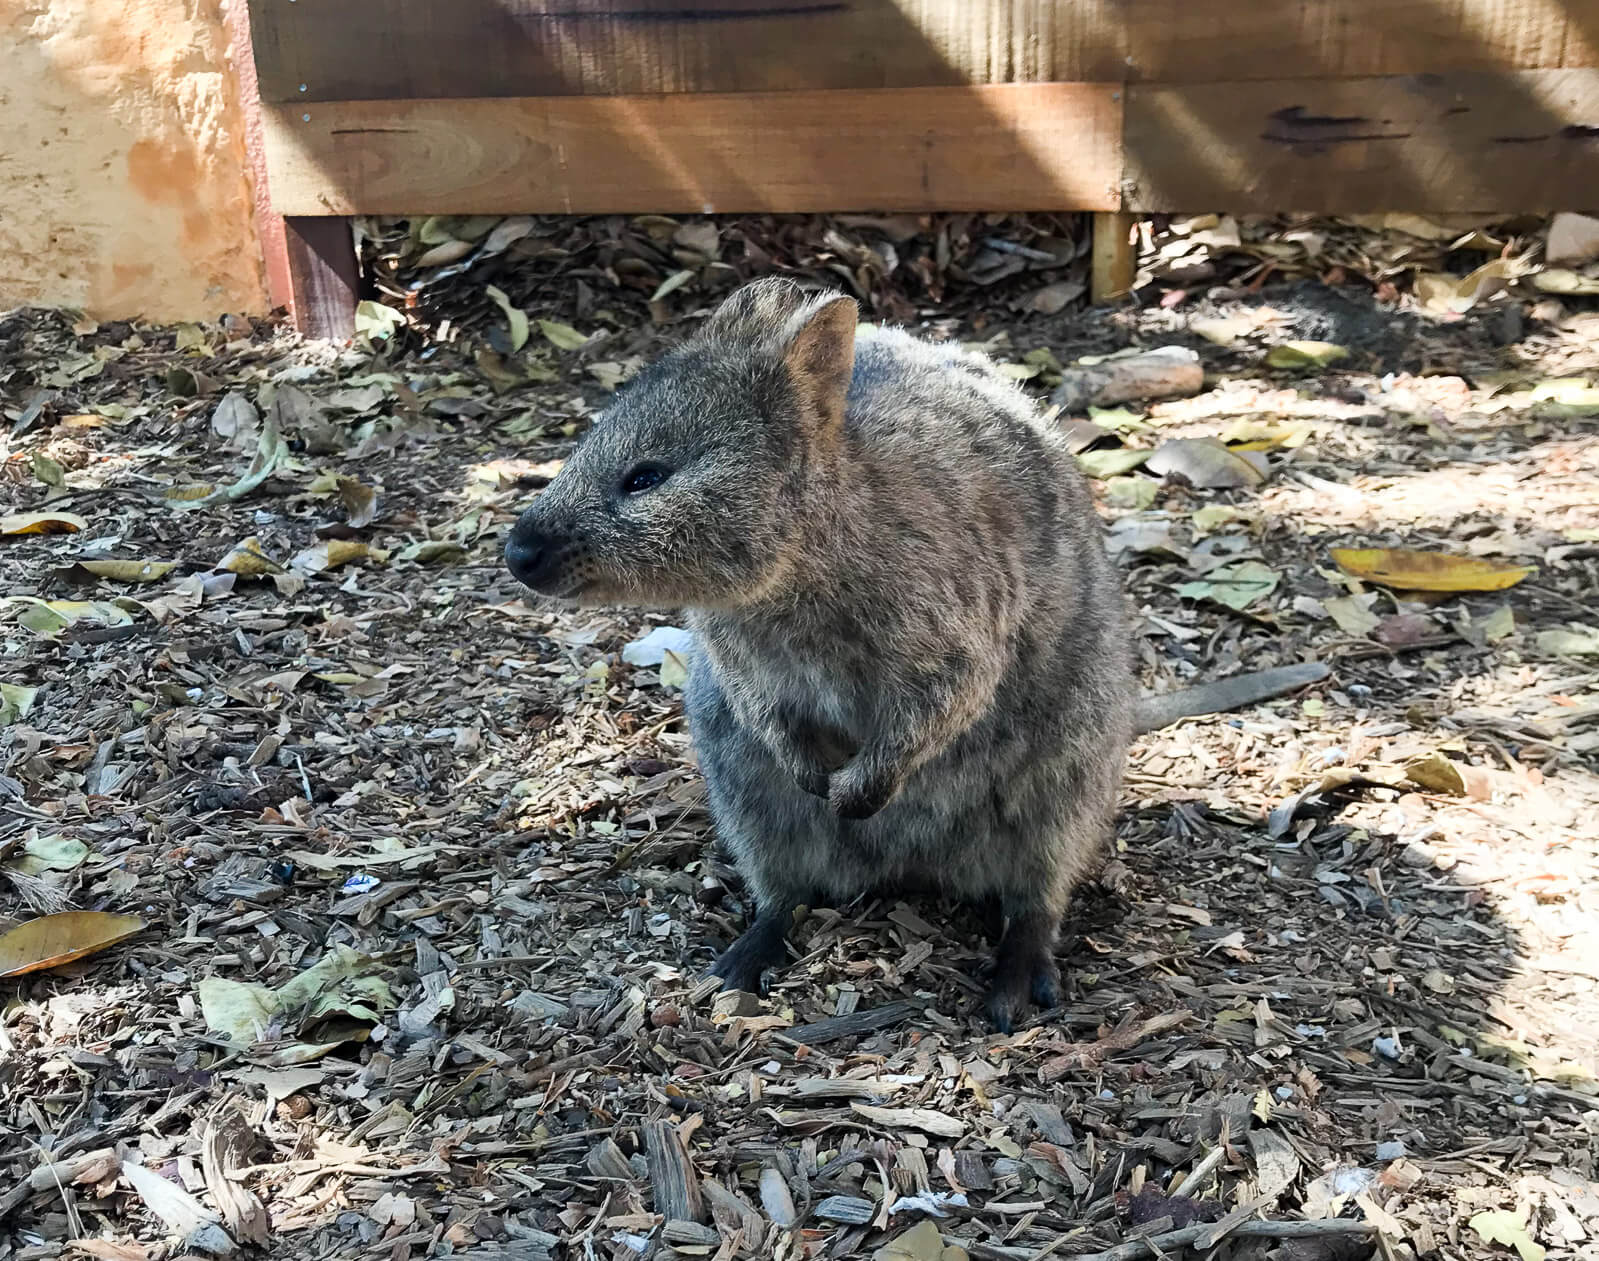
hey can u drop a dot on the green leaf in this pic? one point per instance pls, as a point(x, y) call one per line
point(15, 702)
point(1504, 1227)
point(562, 336)
point(1237, 585)
point(51, 853)
point(1305, 354)
point(1111, 463)
point(375, 320)
point(47, 470)
point(1136, 493)
point(515, 316)
point(671, 284)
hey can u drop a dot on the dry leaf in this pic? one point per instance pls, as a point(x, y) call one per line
point(1441, 292)
point(1570, 641)
point(432, 552)
point(1427, 571)
point(1565, 281)
point(235, 418)
point(179, 1211)
point(1352, 613)
point(332, 553)
point(42, 523)
point(1204, 462)
point(52, 940)
point(1573, 238)
point(128, 570)
point(360, 502)
point(248, 560)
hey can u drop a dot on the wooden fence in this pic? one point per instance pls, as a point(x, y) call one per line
point(1116, 106)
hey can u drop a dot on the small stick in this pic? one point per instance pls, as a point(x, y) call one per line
point(1133, 1249)
point(1196, 1176)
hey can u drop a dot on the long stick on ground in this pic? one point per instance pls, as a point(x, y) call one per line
point(1133, 1249)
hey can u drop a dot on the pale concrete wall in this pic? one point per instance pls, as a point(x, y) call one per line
point(123, 186)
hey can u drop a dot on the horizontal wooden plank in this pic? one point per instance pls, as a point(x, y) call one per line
point(322, 50)
point(1048, 146)
point(1515, 142)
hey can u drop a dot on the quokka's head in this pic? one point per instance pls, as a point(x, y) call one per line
point(690, 489)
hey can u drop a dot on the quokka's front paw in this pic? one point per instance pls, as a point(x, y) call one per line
point(858, 794)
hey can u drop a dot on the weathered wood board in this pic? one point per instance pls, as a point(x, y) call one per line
point(1514, 142)
point(329, 50)
point(1015, 146)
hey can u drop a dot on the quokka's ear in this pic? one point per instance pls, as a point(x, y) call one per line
point(756, 313)
point(820, 357)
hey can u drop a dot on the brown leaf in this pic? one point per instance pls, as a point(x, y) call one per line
point(52, 940)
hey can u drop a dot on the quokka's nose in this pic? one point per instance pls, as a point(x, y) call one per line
point(525, 554)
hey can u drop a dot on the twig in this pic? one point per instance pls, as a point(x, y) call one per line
point(1155, 1244)
point(1196, 1176)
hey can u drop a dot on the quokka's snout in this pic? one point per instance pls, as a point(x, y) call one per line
point(540, 555)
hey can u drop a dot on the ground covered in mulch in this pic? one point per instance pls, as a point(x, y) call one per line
point(423, 875)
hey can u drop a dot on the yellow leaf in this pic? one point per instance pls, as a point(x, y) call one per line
point(1436, 773)
point(1305, 354)
point(332, 553)
point(1427, 571)
point(189, 494)
point(42, 523)
point(129, 570)
point(248, 560)
point(52, 940)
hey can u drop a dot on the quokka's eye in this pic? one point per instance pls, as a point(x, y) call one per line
point(644, 477)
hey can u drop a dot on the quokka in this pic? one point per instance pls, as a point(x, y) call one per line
point(912, 660)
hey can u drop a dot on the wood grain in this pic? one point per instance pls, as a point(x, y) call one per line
point(1048, 146)
point(324, 276)
point(319, 50)
point(1518, 142)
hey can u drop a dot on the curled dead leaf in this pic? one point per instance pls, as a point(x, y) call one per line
point(127, 570)
point(42, 523)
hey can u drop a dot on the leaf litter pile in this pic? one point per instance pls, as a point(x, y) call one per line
point(353, 906)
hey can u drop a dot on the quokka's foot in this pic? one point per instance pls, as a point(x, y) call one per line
point(760, 947)
point(1024, 971)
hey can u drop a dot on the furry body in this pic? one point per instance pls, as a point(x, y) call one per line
point(915, 670)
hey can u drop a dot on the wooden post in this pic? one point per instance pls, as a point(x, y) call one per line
point(1113, 257)
point(324, 275)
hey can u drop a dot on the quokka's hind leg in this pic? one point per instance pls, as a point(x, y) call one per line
point(758, 948)
point(1024, 965)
